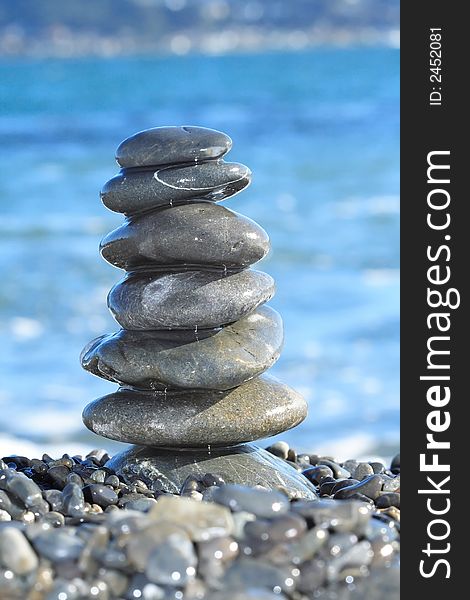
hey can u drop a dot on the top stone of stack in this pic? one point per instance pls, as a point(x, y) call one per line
point(169, 166)
point(172, 145)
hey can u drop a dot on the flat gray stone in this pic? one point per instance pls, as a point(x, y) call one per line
point(198, 233)
point(246, 464)
point(217, 359)
point(257, 409)
point(172, 145)
point(187, 300)
point(133, 191)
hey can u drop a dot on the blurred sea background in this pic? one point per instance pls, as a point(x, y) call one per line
point(312, 105)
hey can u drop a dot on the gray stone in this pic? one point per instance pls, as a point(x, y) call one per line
point(172, 145)
point(4, 516)
point(257, 409)
point(246, 573)
point(280, 449)
point(102, 495)
point(338, 471)
point(202, 520)
point(362, 471)
point(54, 498)
point(214, 557)
point(377, 467)
point(395, 466)
point(357, 556)
point(16, 552)
point(59, 545)
point(312, 576)
point(53, 519)
point(24, 488)
point(392, 484)
point(305, 548)
point(260, 502)
point(370, 486)
point(172, 562)
point(164, 551)
point(341, 517)
point(187, 300)
point(246, 464)
point(73, 501)
point(388, 499)
point(140, 587)
point(350, 465)
point(277, 529)
point(131, 192)
point(197, 233)
point(11, 504)
point(245, 594)
point(141, 504)
point(223, 360)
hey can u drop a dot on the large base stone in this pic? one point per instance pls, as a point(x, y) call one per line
point(246, 464)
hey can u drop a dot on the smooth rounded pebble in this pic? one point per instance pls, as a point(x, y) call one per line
point(202, 520)
point(362, 471)
point(259, 408)
point(243, 464)
point(16, 552)
point(131, 192)
point(59, 545)
point(223, 360)
point(280, 449)
point(370, 487)
point(172, 145)
point(197, 233)
point(317, 473)
point(188, 300)
point(262, 503)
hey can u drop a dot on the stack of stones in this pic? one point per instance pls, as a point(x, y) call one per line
point(196, 335)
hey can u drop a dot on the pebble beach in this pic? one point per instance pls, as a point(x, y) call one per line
point(71, 529)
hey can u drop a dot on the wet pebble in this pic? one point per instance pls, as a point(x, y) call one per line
point(16, 552)
point(317, 473)
point(59, 545)
point(25, 489)
point(142, 504)
point(280, 449)
point(377, 467)
point(362, 471)
point(338, 471)
point(342, 517)
point(343, 483)
point(387, 500)
point(370, 487)
point(73, 500)
point(4, 516)
point(203, 520)
point(54, 499)
point(260, 502)
point(326, 485)
point(172, 561)
point(246, 573)
point(102, 495)
point(276, 530)
point(395, 465)
point(392, 484)
point(58, 476)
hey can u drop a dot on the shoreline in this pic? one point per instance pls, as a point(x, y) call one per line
point(184, 43)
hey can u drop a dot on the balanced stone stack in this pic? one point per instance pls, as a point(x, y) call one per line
point(196, 335)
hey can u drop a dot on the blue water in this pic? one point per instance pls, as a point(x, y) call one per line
point(320, 132)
